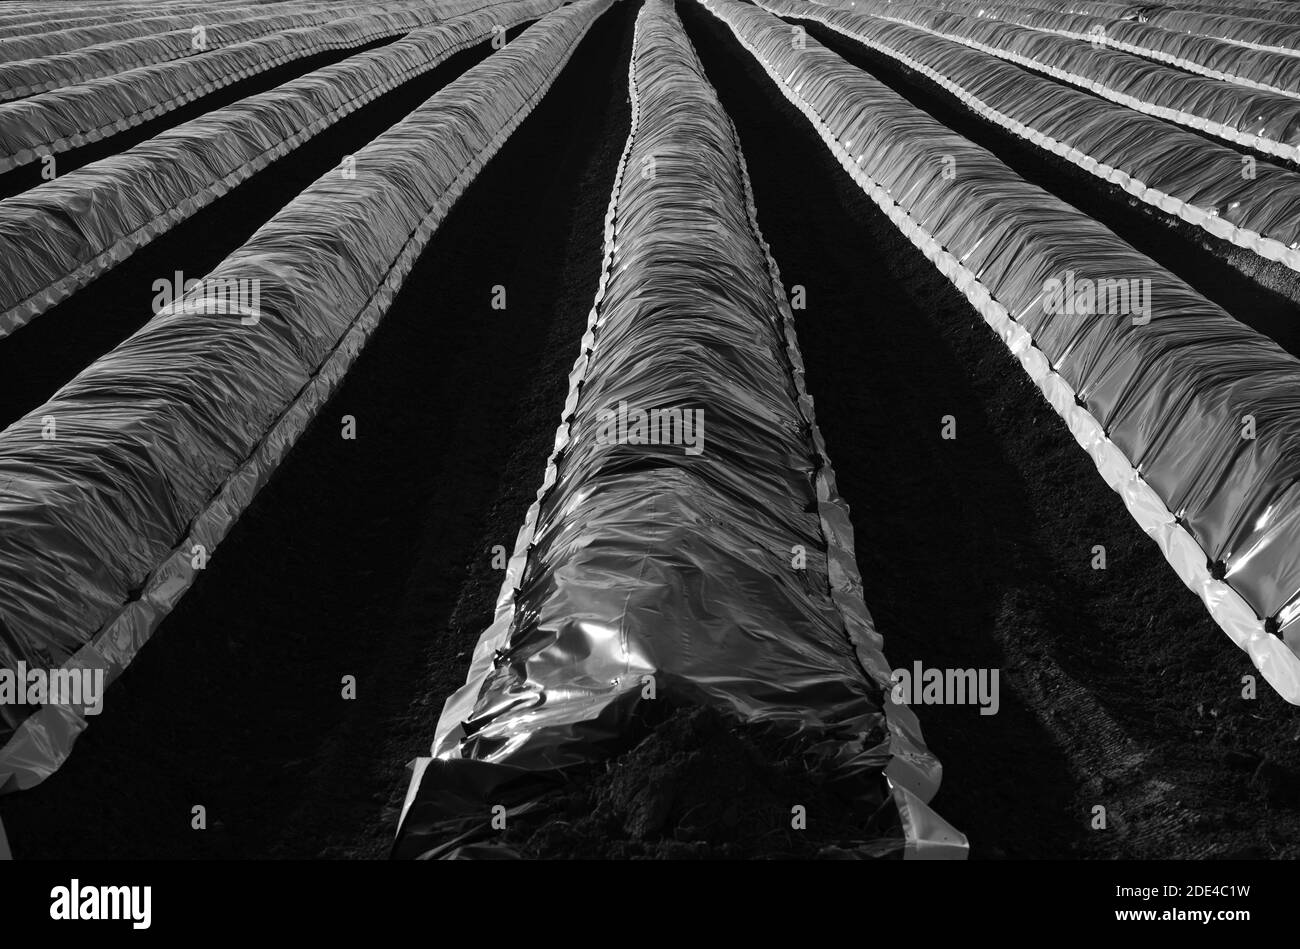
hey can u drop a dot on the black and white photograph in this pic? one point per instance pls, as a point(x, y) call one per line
point(858, 440)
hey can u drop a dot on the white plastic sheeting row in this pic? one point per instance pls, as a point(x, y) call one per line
point(1118, 11)
point(33, 23)
point(14, 12)
point(1138, 12)
point(50, 42)
point(645, 560)
point(1255, 205)
point(1259, 34)
point(164, 441)
point(58, 237)
point(70, 117)
point(1269, 122)
point(30, 76)
point(1204, 55)
point(1278, 13)
point(92, 13)
point(1160, 402)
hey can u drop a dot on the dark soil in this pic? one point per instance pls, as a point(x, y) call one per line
point(371, 557)
point(706, 786)
point(1118, 690)
point(43, 355)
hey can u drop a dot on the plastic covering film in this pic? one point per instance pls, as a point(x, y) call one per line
point(1131, 12)
point(61, 235)
point(56, 121)
point(1159, 390)
point(71, 13)
point(1260, 34)
point(164, 441)
point(32, 23)
point(50, 42)
point(671, 558)
point(1116, 11)
point(15, 12)
point(1177, 171)
point(30, 76)
point(1207, 56)
point(1267, 121)
point(1257, 11)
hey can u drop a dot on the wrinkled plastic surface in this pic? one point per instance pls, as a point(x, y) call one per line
point(1117, 11)
point(91, 14)
point(29, 76)
point(1267, 34)
point(1218, 58)
point(53, 122)
point(1274, 12)
point(1268, 121)
point(1171, 168)
point(52, 41)
point(59, 236)
point(1166, 397)
point(164, 441)
point(653, 560)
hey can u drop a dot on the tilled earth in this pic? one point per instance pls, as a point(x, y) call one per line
point(704, 786)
